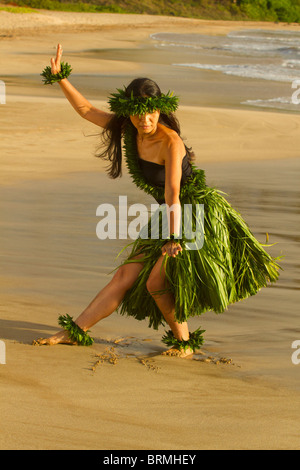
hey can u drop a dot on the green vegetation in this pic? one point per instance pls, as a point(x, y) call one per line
point(14, 9)
point(257, 10)
point(271, 10)
point(70, 5)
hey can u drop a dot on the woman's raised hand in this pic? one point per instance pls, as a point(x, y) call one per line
point(55, 63)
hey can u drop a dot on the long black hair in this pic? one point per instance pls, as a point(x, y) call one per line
point(114, 131)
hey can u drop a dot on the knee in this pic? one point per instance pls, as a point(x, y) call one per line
point(154, 284)
point(123, 278)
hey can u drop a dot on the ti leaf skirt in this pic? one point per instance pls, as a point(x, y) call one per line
point(226, 265)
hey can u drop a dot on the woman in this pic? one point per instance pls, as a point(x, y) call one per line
point(164, 279)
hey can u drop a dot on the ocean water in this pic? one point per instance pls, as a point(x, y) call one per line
point(271, 58)
point(243, 69)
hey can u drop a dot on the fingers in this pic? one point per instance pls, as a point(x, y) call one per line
point(55, 62)
point(177, 249)
point(172, 249)
point(53, 66)
point(58, 54)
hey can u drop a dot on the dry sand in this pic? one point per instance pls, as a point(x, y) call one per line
point(63, 397)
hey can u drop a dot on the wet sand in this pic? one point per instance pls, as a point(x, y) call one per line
point(52, 263)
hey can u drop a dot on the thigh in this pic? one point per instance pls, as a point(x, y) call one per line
point(129, 271)
point(157, 277)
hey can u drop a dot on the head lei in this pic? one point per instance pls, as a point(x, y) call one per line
point(126, 106)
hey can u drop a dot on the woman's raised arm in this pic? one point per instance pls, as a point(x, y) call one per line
point(83, 107)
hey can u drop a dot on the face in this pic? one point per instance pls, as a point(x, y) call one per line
point(146, 124)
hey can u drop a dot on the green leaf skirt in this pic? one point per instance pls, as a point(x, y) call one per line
point(231, 265)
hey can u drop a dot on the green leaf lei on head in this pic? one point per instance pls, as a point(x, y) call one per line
point(126, 106)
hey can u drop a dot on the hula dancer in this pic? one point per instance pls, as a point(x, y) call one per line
point(164, 279)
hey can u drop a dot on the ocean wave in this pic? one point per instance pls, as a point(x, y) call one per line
point(194, 41)
point(174, 44)
point(266, 35)
point(292, 63)
point(263, 72)
point(284, 103)
point(249, 42)
point(253, 47)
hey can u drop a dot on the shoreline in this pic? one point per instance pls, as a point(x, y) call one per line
point(86, 22)
point(277, 137)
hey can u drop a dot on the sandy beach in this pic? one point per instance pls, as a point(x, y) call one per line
point(242, 390)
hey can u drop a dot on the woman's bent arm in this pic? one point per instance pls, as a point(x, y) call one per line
point(83, 107)
point(173, 169)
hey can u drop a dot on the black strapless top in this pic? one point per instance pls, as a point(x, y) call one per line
point(155, 172)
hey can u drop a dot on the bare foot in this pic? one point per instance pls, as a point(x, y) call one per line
point(178, 352)
point(61, 337)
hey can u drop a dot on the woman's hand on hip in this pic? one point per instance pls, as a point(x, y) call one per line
point(171, 248)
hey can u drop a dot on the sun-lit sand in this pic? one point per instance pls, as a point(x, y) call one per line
point(121, 393)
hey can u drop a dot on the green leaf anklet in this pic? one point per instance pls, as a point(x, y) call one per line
point(194, 342)
point(76, 334)
point(50, 78)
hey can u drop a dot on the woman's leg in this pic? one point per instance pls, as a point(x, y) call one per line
point(106, 301)
point(165, 301)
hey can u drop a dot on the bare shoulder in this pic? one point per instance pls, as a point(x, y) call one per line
point(172, 145)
